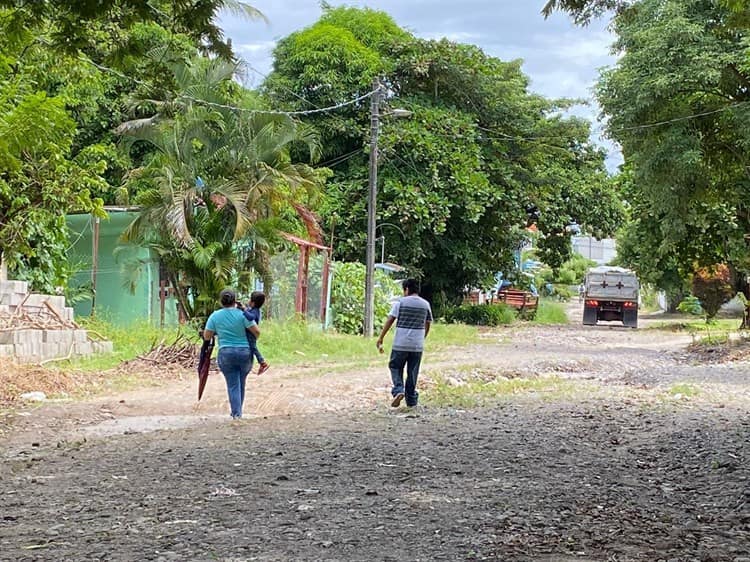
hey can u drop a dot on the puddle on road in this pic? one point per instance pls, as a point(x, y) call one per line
point(146, 424)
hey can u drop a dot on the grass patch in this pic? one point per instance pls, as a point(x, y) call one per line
point(282, 343)
point(684, 390)
point(128, 341)
point(691, 324)
point(289, 343)
point(477, 392)
point(550, 312)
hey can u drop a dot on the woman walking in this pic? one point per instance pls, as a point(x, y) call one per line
point(235, 360)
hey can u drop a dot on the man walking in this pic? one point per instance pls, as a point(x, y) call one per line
point(413, 316)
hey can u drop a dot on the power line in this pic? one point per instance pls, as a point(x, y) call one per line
point(279, 112)
point(233, 107)
point(679, 119)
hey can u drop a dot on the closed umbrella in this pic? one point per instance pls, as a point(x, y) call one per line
point(204, 362)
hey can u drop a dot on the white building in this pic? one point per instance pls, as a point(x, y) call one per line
point(600, 251)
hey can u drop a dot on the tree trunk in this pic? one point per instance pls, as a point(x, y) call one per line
point(183, 305)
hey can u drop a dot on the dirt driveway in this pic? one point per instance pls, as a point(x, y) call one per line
point(645, 459)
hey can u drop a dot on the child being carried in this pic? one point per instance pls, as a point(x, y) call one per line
point(252, 313)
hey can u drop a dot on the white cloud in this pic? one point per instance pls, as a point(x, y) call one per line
point(455, 36)
point(258, 48)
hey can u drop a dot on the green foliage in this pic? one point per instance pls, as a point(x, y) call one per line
point(550, 312)
point(201, 229)
point(480, 315)
point(683, 66)
point(460, 207)
point(691, 305)
point(583, 11)
point(348, 297)
point(39, 183)
point(67, 79)
point(571, 272)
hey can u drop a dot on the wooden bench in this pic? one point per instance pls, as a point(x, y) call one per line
point(524, 302)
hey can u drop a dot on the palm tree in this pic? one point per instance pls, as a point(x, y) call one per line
point(216, 174)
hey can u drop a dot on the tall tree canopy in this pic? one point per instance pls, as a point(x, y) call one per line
point(70, 73)
point(459, 178)
point(677, 103)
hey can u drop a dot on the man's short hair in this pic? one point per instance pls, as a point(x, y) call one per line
point(410, 286)
point(257, 298)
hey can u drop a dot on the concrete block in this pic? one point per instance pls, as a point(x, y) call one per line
point(54, 350)
point(8, 287)
point(4, 309)
point(12, 299)
point(83, 348)
point(104, 347)
point(64, 337)
point(56, 301)
point(7, 350)
point(22, 336)
point(30, 352)
point(80, 336)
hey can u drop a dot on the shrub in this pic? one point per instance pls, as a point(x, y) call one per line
point(690, 305)
point(480, 315)
point(712, 286)
point(348, 297)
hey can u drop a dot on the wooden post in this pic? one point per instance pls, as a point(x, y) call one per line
point(300, 298)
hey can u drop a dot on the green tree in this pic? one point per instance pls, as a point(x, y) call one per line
point(676, 104)
point(216, 174)
point(40, 177)
point(457, 178)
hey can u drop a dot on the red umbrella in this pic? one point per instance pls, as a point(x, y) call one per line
point(204, 362)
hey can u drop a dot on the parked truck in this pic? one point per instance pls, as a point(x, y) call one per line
point(611, 295)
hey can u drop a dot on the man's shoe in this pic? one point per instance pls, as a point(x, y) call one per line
point(397, 400)
point(263, 368)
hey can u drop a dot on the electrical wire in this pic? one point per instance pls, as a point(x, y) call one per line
point(279, 112)
point(240, 109)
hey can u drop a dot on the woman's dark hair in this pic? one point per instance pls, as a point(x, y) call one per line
point(410, 286)
point(257, 298)
point(227, 298)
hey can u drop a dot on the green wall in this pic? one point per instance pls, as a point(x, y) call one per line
point(114, 301)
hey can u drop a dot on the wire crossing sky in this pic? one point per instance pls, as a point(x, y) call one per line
point(562, 60)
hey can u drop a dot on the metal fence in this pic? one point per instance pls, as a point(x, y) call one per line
point(282, 299)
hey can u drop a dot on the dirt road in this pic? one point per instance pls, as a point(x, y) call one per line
point(646, 459)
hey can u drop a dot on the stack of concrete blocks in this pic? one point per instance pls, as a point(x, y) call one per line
point(56, 340)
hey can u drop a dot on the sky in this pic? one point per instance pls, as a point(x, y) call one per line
point(562, 60)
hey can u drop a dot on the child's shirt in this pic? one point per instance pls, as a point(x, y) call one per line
point(252, 314)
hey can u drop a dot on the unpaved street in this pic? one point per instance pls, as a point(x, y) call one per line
point(633, 451)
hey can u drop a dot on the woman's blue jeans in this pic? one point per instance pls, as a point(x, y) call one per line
point(235, 363)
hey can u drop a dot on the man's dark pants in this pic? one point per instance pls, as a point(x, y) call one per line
point(411, 360)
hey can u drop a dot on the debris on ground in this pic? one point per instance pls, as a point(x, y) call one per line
point(181, 351)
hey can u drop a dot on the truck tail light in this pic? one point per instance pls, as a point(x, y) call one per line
point(629, 304)
point(592, 303)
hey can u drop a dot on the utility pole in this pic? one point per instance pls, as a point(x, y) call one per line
point(372, 198)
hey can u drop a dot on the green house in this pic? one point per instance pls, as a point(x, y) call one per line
point(125, 281)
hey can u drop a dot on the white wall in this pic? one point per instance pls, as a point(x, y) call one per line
point(600, 251)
